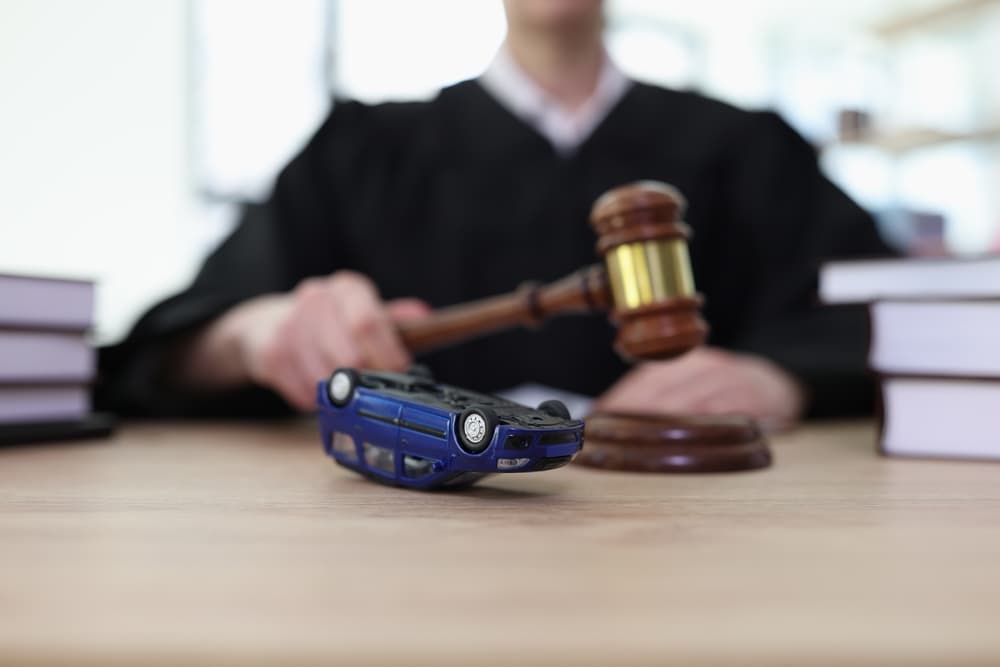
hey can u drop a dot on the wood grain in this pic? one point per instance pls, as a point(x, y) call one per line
point(241, 544)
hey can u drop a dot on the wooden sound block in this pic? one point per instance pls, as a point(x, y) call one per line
point(672, 444)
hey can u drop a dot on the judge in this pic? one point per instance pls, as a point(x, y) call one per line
point(394, 209)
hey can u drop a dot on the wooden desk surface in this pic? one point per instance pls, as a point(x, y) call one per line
point(243, 545)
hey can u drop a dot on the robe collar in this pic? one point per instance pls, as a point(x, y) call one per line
point(564, 128)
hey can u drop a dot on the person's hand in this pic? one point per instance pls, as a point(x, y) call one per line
point(710, 381)
point(290, 341)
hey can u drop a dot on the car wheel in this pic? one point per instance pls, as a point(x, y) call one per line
point(475, 429)
point(421, 371)
point(555, 408)
point(341, 386)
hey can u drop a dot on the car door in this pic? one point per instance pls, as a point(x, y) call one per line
point(423, 433)
point(379, 432)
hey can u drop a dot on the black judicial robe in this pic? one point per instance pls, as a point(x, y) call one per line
point(456, 199)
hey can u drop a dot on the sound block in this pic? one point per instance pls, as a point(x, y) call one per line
point(672, 444)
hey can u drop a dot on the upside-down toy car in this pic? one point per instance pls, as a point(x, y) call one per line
point(404, 429)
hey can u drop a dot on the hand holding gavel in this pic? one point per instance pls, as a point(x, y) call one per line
point(287, 341)
point(645, 282)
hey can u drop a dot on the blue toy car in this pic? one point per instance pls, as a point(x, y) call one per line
point(405, 429)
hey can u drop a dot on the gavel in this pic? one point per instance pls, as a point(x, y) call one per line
point(645, 283)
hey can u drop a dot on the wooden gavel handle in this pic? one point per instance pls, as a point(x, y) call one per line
point(586, 290)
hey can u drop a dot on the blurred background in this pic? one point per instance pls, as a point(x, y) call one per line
point(130, 132)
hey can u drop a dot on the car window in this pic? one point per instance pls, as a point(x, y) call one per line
point(344, 445)
point(380, 458)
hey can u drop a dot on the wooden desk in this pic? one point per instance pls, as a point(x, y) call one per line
point(244, 545)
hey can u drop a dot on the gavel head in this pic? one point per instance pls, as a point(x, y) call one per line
point(644, 246)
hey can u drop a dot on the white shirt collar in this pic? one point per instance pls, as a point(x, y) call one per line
point(564, 128)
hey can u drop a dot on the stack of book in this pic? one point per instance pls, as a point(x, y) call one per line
point(935, 347)
point(46, 361)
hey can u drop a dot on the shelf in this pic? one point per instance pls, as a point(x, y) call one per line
point(910, 139)
point(931, 16)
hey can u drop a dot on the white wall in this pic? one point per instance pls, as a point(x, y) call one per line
point(254, 107)
point(94, 159)
point(388, 49)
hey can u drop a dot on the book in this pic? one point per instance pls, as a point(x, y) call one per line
point(31, 403)
point(935, 327)
point(34, 357)
point(941, 418)
point(947, 338)
point(32, 302)
point(863, 281)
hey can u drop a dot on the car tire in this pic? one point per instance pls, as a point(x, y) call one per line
point(475, 428)
point(421, 371)
point(555, 408)
point(340, 388)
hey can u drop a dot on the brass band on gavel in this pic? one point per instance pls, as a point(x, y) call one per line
point(647, 272)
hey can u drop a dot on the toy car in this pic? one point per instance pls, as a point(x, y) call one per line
point(406, 430)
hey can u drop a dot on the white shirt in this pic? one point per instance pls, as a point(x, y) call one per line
point(565, 128)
